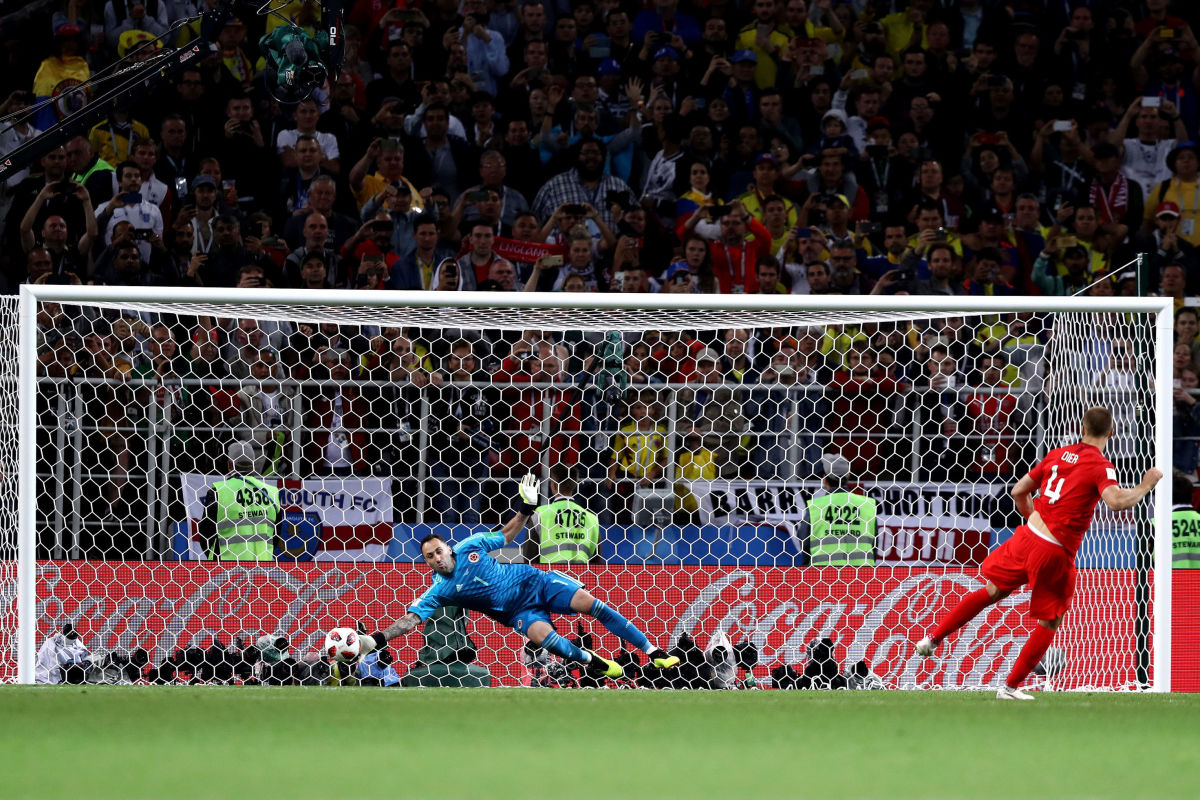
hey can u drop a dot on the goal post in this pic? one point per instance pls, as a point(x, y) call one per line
point(684, 549)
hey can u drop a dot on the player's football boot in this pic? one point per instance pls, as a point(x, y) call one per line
point(925, 647)
point(663, 660)
point(601, 667)
point(1007, 693)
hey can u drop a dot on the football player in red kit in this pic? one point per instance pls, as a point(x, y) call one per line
point(1041, 552)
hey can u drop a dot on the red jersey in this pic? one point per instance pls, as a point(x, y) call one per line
point(1070, 481)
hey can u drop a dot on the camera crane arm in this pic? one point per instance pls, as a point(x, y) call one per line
point(296, 63)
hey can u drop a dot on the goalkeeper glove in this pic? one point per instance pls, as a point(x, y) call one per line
point(371, 643)
point(529, 490)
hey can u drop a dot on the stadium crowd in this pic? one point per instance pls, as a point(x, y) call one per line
point(956, 147)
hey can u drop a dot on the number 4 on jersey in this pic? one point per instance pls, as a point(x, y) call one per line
point(1053, 491)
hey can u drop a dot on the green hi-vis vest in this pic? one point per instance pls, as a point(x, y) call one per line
point(247, 510)
point(568, 532)
point(100, 164)
point(841, 530)
point(1185, 538)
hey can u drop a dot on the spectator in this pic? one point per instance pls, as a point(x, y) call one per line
point(246, 158)
point(766, 176)
point(1045, 272)
point(1187, 330)
point(415, 271)
point(544, 419)
point(992, 414)
point(438, 159)
point(939, 412)
point(639, 456)
point(55, 235)
point(987, 280)
point(87, 167)
point(129, 204)
point(1173, 283)
point(1165, 245)
point(316, 237)
point(388, 157)
point(665, 24)
point(306, 114)
point(1185, 420)
point(493, 170)
point(306, 159)
point(62, 70)
point(120, 16)
point(127, 268)
point(314, 272)
point(844, 277)
point(860, 408)
point(334, 426)
point(1144, 157)
point(266, 413)
point(229, 254)
point(395, 92)
point(1184, 164)
point(733, 256)
point(322, 197)
point(145, 155)
point(579, 185)
point(1116, 198)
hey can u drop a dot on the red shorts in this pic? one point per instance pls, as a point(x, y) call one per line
point(1045, 566)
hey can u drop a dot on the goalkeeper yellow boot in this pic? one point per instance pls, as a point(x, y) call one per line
point(663, 660)
point(601, 667)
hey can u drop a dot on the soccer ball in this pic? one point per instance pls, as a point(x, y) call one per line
point(341, 644)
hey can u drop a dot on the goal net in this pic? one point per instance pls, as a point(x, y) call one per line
point(693, 438)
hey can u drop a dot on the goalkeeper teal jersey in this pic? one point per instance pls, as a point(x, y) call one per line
point(481, 583)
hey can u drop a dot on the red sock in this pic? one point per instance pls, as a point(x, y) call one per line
point(1030, 655)
point(961, 614)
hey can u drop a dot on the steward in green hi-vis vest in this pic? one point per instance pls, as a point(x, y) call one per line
point(1185, 537)
point(1185, 524)
point(841, 530)
point(247, 514)
point(567, 532)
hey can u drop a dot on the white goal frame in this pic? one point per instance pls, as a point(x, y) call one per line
point(694, 305)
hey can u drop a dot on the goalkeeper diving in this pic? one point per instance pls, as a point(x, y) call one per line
point(517, 595)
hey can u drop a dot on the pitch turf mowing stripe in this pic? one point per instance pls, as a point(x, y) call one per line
point(204, 742)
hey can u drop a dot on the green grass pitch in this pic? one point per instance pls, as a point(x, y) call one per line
point(217, 742)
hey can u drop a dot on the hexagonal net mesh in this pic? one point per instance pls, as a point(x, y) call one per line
point(217, 486)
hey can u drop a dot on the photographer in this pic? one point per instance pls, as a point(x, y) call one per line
point(62, 658)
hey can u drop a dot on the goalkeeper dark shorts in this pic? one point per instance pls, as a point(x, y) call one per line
point(1027, 558)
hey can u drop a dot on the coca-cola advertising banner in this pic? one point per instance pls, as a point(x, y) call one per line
point(1185, 630)
point(872, 613)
